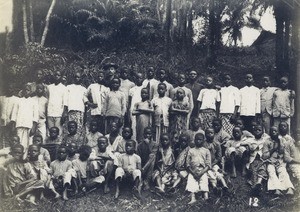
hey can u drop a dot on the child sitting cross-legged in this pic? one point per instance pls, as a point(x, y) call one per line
point(129, 165)
point(165, 173)
point(102, 162)
point(5, 156)
point(198, 162)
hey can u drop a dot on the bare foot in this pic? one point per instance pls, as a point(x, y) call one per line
point(290, 191)
point(233, 175)
point(31, 199)
point(277, 192)
point(57, 195)
point(65, 195)
point(192, 201)
point(106, 189)
point(117, 195)
point(160, 190)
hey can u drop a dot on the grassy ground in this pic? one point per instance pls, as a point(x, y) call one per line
point(237, 200)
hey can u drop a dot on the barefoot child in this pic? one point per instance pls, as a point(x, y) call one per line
point(198, 162)
point(161, 105)
point(143, 111)
point(129, 165)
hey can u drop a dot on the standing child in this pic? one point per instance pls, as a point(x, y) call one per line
point(162, 76)
point(93, 135)
point(125, 84)
point(134, 98)
point(42, 103)
point(283, 103)
point(147, 150)
point(208, 99)
point(96, 93)
point(161, 106)
point(115, 104)
point(250, 102)
point(165, 173)
point(266, 99)
point(143, 111)
point(25, 117)
point(230, 104)
point(129, 165)
point(273, 151)
point(178, 115)
point(198, 162)
point(44, 153)
point(150, 81)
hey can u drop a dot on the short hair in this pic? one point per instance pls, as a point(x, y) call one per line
point(54, 128)
point(164, 134)
point(195, 118)
point(217, 120)
point(62, 146)
point(37, 136)
point(183, 135)
point(209, 128)
point(180, 89)
point(85, 149)
point(93, 121)
point(163, 84)
point(15, 136)
point(17, 146)
point(102, 137)
point(127, 127)
point(72, 122)
point(117, 78)
point(131, 141)
point(147, 128)
point(236, 127)
point(200, 134)
point(39, 148)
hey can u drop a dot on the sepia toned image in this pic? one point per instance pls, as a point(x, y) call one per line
point(149, 105)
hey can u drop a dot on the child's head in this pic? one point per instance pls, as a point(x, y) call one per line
point(227, 80)
point(253, 124)
point(249, 79)
point(115, 83)
point(102, 143)
point(62, 153)
point(53, 132)
point(93, 126)
point(161, 89)
point(130, 147)
point(274, 132)
point(72, 127)
point(124, 73)
point(127, 133)
point(84, 152)
point(57, 76)
point(183, 140)
point(209, 81)
point(217, 124)
point(181, 79)
point(266, 81)
point(40, 90)
point(144, 94)
point(237, 133)
point(33, 152)
point(14, 140)
point(283, 128)
point(114, 127)
point(139, 78)
point(37, 139)
point(239, 123)
point(17, 151)
point(258, 131)
point(164, 140)
point(27, 91)
point(72, 149)
point(209, 134)
point(199, 140)
point(161, 74)
point(100, 76)
point(39, 75)
point(148, 133)
point(77, 78)
point(195, 123)
point(284, 81)
point(150, 72)
point(180, 94)
point(193, 75)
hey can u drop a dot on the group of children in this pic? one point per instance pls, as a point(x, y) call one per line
point(56, 137)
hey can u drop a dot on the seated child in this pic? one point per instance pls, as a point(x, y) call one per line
point(72, 150)
point(215, 174)
point(102, 162)
point(73, 136)
point(283, 129)
point(221, 135)
point(245, 133)
point(235, 152)
point(40, 168)
point(114, 135)
point(52, 142)
point(20, 180)
point(165, 173)
point(44, 153)
point(5, 156)
point(147, 150)
point(62, 170)
point(119, 145)
point(129, 165)
point(198, 162)
point(279, 179)
point(195, 128)
point(93, 135)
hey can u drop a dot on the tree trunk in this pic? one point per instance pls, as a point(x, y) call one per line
point(279, 39)
point(46, 29)
point(211, 37)
point(167, 28)
point(189, 37)
point(32, 39)
point(17, 38)
point(286, 44)
point(25, 23)
point(184, 22)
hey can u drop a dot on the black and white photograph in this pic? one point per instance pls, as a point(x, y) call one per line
point(150, 105)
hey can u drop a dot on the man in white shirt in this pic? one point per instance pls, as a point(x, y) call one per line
point(250, 103)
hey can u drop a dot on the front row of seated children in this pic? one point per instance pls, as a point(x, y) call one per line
point(264, 157)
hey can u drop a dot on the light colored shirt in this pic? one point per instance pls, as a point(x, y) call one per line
point(76, 97)
point(25, 112)
point(188, 95)
point(59, 168)
point(92, 139)
point(115, 104)
point(283, 104)
point(198, 157)
point(161, 110)
point(98, 93)
point(152, 83)
point(80, 166)
point(168, 90)
point(230, 98)
point(42, 103)
point(209, 98)
point(129, 162)
point(266, 98)
point(135, 94)
point(250, 101)
point(57, 99)
point(125, 86)
point(6, 108)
